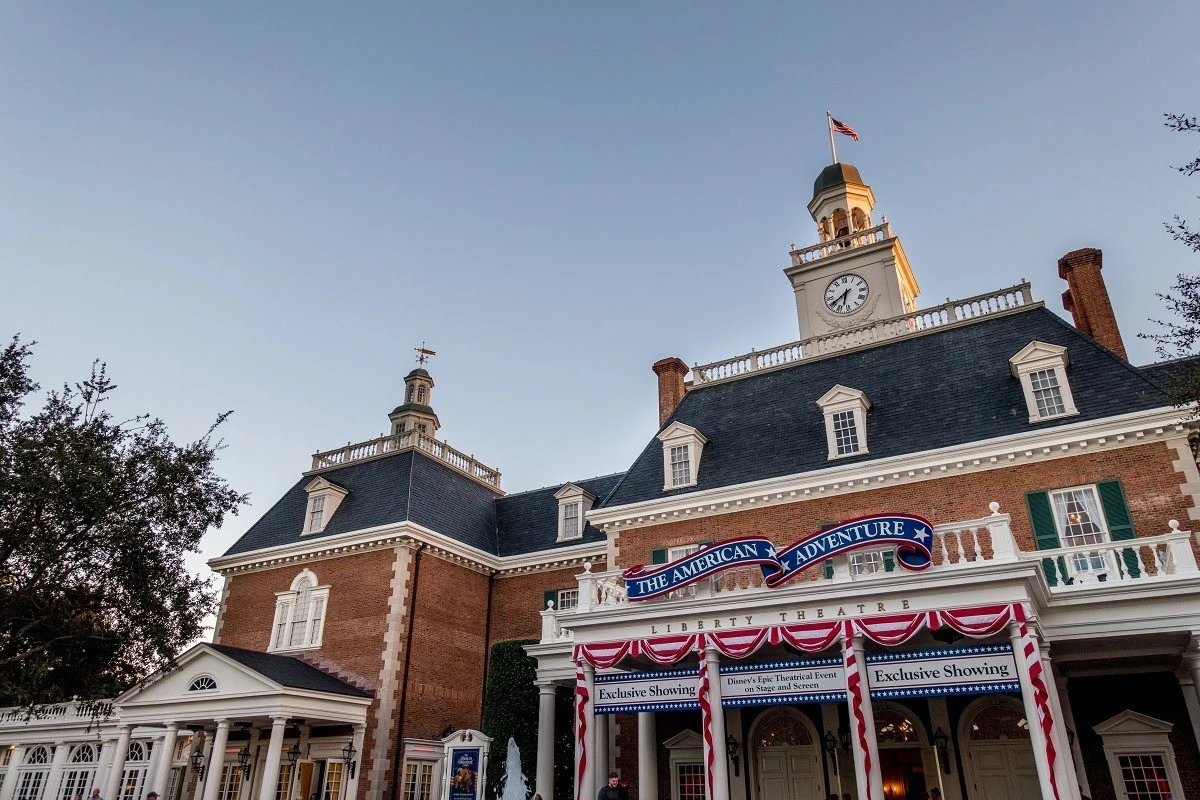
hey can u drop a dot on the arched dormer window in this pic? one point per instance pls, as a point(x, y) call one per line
point(299, 614)
point(203, 683)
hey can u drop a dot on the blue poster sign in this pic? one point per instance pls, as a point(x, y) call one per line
point(464, 773)
point(911, 535)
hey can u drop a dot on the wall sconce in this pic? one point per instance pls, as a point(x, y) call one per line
point(844, 735)
point(197, 759)
point(244, 761)
point(293, 755)
point(942, 742)
point(830, 743)
point(348, 753)
point(731, 747)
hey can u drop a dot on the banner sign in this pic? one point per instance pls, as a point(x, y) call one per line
point(954, 670)
point(911, 535)
point(924, 673)
point(464, 773)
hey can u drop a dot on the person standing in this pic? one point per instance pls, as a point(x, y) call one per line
point(95, 795)
point(613, 790)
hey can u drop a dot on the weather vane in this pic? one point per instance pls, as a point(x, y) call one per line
point(423, 354)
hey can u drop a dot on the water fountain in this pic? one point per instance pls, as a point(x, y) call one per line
point(515, 786)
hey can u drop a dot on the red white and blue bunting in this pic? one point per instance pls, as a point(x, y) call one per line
point(813, 637)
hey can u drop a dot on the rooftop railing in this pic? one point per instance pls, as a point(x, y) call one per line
point(833, 247)
point(383, 445)
point(949, 313)
point(57, 713)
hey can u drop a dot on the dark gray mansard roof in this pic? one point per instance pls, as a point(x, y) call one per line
point(288, 671)
point(945, 388)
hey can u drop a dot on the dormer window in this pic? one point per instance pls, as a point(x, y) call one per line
point(845, 411)
point(324, 497)
point(1042, 370)
point(573, 504)
point(682, 447)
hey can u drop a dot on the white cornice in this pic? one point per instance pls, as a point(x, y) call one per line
point(1125, 430)
point(407, 534)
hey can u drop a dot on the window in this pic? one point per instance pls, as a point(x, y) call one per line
point(866, 562)
point(421, 394)
point(203, 683)
point(845, 412)
point(573, 504)
point(324, 497)
point(284, 784)
point(681, 466)
point(77, 779)
point(300, 614)
point(1042, 370)
point(1141, 759)
point(567, 599)
point(683, 446)
point(690, 778)
point(1077, 516)
point(333, 781)
point(845, 433)
point(231, 781)
point(418, 780)
point(38, 755)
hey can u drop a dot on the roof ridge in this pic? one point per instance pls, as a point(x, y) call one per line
point(1124, 363)
point(564, 483)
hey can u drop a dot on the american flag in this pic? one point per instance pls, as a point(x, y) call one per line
point(841, 127)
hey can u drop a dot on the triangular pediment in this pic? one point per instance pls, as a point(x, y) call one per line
point(839, 395)
point(572, 490)
point(1131, 723)
point(174, 684)
point(319, 484)
point(678, 430)
point(1036, 352)
point(684, 740)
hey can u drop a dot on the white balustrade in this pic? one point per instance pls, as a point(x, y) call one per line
point(54, 712)
point(1148, 558)
point(382, 445)
point(949, 313)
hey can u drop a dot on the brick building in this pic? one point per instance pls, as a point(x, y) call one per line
point(944, 548)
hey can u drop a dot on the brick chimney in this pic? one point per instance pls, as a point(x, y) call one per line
point(1087, 298)
point(670, 372)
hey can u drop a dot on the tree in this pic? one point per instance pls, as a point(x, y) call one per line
point(1179, 338)
point(95, 518)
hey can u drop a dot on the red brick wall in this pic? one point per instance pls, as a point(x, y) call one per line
point(516, 601)
point(1151, 486)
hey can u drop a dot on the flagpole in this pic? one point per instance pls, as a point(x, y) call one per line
point(829, 125)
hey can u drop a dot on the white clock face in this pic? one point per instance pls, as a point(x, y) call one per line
point(846, 294)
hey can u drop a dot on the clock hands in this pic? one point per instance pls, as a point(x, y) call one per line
point(842, 297)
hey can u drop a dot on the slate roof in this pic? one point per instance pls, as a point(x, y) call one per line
point(528, 522)
point(1164, 372)
point(406, 486)
point(289, 671)
point(945, 388)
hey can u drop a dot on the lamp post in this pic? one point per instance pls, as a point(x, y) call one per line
point(348, 753)
point(293, 755)
point(197, 759)
point(831, 744)
point(244, 760)
point(731, 747)
point(942, 742)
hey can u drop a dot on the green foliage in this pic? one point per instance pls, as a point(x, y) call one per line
point(510, 708)
point(95, 518)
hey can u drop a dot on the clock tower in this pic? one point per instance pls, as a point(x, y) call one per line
point(857, 273)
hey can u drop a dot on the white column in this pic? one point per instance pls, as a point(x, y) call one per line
point(868, 786)
point(939, 717)
point(830, 724)
point(270, 777)
point(647, 757)
point(543, 782)
point(112, 787)
point(1069, 769)
point(351, 790)
point(1037, 738)
point(1191, 698)
point(154, 753)
point(588, 788)
point(10, 775)
point(602, 763)
point(216, 762)
point(720, 759)
point(162, 765)
point(56, 770)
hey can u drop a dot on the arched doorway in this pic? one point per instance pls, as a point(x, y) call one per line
point(786, 757)
point(902, 752)
point(999, 750)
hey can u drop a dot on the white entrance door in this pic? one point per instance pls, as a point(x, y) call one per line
point(1004, 771)
point(789, 773)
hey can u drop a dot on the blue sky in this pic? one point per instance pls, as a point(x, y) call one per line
point(265, 207)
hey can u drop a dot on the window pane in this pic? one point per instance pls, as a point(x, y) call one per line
point(845, 433)
point(571, 520)
point(691, 781)
point(318, 620)
point(1077, 515)
point(681, 467)
point(1145, 777)
point(568, 599)
point(866, 563)
point(1047, 393)
point(333, 781)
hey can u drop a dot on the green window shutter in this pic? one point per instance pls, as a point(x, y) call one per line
point(889, 560)
point(551, 596)
point(1120, 524)
point(658, 556)
point(829, 569)
point(1045, 534)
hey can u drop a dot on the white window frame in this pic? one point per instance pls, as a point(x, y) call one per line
point(1036, 357)
point(323, 496)
point(563, 595)
point(675, 435)
point(571, 495)
point(1132, 734)
point(1084, 565)
point(285, 612)
point(842, 399)
point(685, 747)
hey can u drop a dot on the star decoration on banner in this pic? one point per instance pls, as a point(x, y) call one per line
point(921, 535)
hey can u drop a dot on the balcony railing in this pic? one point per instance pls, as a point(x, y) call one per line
point(833, 247)
point(57, 713)
point(383, 445)
point(957, 548)
point(949, 313)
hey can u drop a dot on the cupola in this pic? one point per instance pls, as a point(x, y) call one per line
point(416, 413)
point(841, 202)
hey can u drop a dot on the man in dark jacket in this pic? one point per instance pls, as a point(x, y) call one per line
point(613, 790)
